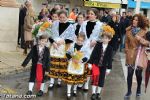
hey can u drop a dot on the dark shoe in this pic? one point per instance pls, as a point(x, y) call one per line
point(74, 93)
point(79, 88)
point(98, 97)
point(29, 93)
point(128, 94)
point(85, 90)
point(69, 96)
point(93, 97)
point(58, 85)
point(138, 92)
point(40, 93)
point(50, 87)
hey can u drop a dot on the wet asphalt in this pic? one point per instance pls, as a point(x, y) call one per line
point(114, 89)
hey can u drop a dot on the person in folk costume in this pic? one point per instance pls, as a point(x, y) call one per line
point(80, 19)
point(77, 57)
point(28, 23)
point(54, 15)
point(91, 28)
point(101, 60)
point(134, 33)
point(62, 35)
point(40, 63)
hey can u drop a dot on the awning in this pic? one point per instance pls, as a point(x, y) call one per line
point(101, 4)
point(144, 5)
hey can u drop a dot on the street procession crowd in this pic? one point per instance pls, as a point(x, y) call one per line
point(79, 48)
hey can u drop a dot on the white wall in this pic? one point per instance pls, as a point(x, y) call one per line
point(8, 28)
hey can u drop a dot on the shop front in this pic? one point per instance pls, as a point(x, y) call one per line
point(115, 4)
point(145, 6)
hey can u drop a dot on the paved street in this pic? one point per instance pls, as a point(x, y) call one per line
point(114, 89)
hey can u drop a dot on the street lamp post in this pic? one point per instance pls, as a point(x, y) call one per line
point(137, 9)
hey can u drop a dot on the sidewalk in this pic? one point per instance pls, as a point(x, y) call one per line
point(10, 62)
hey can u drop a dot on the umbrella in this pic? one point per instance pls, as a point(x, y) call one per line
point(147, 75)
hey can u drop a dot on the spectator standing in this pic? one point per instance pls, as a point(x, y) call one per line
point(117, 37)
point(134, 33)
point(28, 23)
point(72, 15)
point(106, 18)
point(124, 23)
point(22, 15)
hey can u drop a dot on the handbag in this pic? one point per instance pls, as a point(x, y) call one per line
point(141, 59)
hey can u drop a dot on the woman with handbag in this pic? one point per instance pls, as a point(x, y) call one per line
point(134, 33)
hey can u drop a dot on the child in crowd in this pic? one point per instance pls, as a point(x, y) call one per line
point(40, 63)
point(101, 60)
point(76, 67)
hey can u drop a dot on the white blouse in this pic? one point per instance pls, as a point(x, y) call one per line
point(104, 46)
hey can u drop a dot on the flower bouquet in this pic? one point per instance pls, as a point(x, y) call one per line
point(75, 66)
point(41, 27)
point(76, 58)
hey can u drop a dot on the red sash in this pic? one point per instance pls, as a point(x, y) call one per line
point(95, 74)
point(39, 75)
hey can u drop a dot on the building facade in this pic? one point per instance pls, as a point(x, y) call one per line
point(81, 5)
point(145, 6)
point(68, 4)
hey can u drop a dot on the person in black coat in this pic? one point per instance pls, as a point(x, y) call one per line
point(40, 63)
point(115, 41)
point(124, 23)
point(106, 18)
point(22, 15)
point(101, 60)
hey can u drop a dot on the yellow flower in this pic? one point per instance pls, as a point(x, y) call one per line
point(42, 28)
point(108, 30)
point(47, 24)
point(78, 55)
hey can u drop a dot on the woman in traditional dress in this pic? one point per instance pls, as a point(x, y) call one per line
point(62, 35)
point(79, 21)
point(91, 28)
